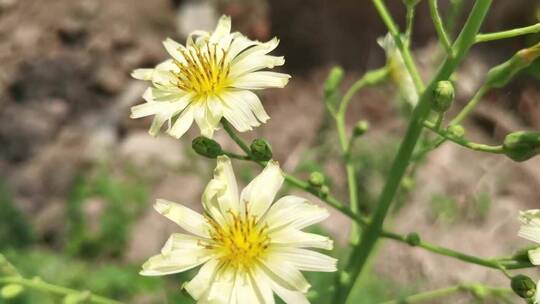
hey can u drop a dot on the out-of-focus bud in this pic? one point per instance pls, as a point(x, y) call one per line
point(522, 145)
point(77, 298)
point(523, 286)
point(413, 239)
point(360, 128)
point(11, 291)
point(411, 3)
point(206, 147)
point(325, 190)
point(333, 81)
point(443, 96)
point(261, 150)
point(316, 179)
point(456, 130)
point(500, 75)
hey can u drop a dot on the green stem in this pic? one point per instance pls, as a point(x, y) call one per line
point(37, 283)
point(410, 24)
point(400, 164)
point(228, 128)
point(370, 78)
point(535, 28)
point(463, 142)
point(456, 6)
point(439, 26)
point(470, 105)
point(447, 291)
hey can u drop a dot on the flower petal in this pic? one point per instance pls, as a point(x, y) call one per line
point(260, 193)
point(221, 193)
point(285, 274)
point(296, 238)
point(181, 241)
point(255, 63)
point(306, 260)
point(142, 74)
point(531, 233)
point(207, 117)
point(178, 261)
point(186, 218)
point(295, 212)
point(534, 256)
point(174, 48)
point(204, 279)
point(223, 28)
point(182, 123)
point(261, 80)
point(258, 50)
point(289, 296)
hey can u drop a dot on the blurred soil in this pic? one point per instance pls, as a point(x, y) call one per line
point(65, 94)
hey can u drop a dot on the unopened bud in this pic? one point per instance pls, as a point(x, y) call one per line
point(11, 291)
point(443, 96)
point(325, 190)
point(261, 150)
point(500, 75)
point(316, 179)
point(206, 147)
point(521, 145)
point(360, 128)
point(456, 130)
point(523, 286)
point(333, 81)
point(413, 239)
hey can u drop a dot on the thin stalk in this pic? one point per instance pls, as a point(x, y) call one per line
point(410, 24)
point(463, 142)
point(439, 26)
point(402, 159)
point(456, 6)
point(535, 28)
point(37, 283)
point(470, 105)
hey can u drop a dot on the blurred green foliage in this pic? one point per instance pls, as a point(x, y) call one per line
point(123, 200)
point(15, 231)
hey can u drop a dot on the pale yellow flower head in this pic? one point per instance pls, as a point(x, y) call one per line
point(530, 230)
point(209, 78)
point(248, 246)
point(398, 71)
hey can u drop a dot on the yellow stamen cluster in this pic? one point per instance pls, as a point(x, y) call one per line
point(241, 243)
point(203, 73)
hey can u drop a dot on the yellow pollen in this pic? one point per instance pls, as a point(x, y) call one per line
point(202, 72)
point(241, 243)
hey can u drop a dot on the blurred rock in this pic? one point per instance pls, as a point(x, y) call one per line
point(146, 152)
point(110, 79)
point(195, 15)
point(72, 31)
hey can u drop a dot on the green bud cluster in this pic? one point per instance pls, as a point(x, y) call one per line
point(361, 128)
point(331, 87)
point(500, 75)
point(523, 286)
point(443, 96)
point(260, 150)
point(316, 179)
point(413, 239)
point(521, 145)
point(206, 147)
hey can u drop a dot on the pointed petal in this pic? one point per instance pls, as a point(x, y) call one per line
point(294, 212)
point(186, 218)
point(285, 274)
point(173, 48)
point(261, 80)
point(223, 28)
point(260, 193)
point(203, 280)
point(182, 123)
point(176, 262)
point(306, 260)
point(221, 193)
point(296, 238)
point(534, 256)
point(142, 74)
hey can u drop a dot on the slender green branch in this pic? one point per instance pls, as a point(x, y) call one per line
point(411, 9)
point(447, 291)
point(400, 164)
point(228, 128)
point(370, 78)
point(439, 26)
point(463, 142)
point(535, 28)
point(470, 106)
point(37, 283)
point(456, 6)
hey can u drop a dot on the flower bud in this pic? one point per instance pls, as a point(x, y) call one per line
point(500, 75)
point(413, 239)
point(261, 150)
point(456, 130)
point(325, 190)
point(11, 291)
point(360, 128)
point(521, 145)
point(523, 286)
point(316, 179)
point(333, 81)
point(443, 96)
point(206, 147)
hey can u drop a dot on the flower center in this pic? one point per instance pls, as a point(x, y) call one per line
point(204, 71)
point(241, 243)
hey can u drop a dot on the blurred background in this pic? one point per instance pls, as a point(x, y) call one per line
point(78, 177)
